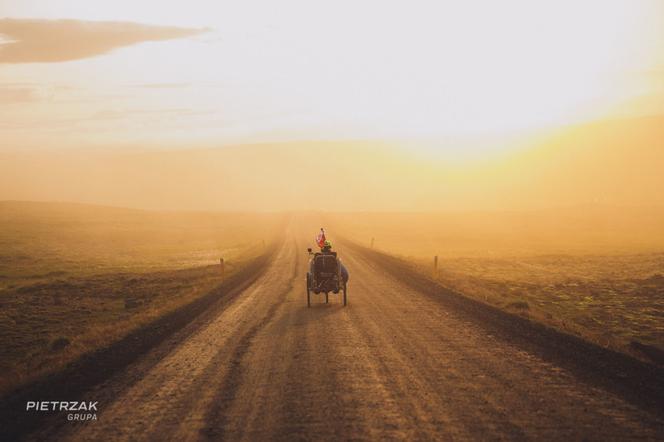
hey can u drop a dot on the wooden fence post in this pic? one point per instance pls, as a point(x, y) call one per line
point(435, 266)
point(221, 266)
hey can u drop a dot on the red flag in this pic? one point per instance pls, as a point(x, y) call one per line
point(320, 239)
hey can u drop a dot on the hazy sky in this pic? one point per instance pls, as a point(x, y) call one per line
point(209, 72)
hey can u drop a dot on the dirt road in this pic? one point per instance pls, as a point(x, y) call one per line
point(394, 364)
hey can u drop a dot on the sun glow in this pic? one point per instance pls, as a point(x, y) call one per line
point(347, 70)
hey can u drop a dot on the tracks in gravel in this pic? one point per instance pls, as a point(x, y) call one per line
point(91, 370)
point(216, 417)
point(172, 391)
point(636, 381)
point(402, 361)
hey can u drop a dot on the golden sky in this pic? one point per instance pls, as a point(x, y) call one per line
point(80, 73)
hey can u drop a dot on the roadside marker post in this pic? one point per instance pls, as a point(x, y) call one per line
point(435, 266)
point(221, 266)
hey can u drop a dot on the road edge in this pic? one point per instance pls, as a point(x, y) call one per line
point(638, 382)
point(91, 369)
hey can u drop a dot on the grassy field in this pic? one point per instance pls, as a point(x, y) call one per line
point(615, 301)
point(75, 277)
point(596, 273)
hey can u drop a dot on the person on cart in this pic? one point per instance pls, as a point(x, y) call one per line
point(326, 249)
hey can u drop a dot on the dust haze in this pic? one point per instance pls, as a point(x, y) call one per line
point(488, 177)
point(615, 163)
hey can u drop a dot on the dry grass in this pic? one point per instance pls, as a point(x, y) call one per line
point(611, 300)
point(42, 241)
point(592, 273)
point(48, 324)
point(74, 278)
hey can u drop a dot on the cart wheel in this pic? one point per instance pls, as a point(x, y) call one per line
point(345, 297)
point(308, 293)
point(326, 298)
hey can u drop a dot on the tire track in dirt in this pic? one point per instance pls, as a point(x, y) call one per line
point(88, 377)
point(229, 386)
point(306, 375)
point(170, 395)
point(640, 383)
point(396, 364)
point(486, 384)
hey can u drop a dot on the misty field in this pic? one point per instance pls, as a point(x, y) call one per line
point(74, 278)
point(45, 240)
point(596, 273)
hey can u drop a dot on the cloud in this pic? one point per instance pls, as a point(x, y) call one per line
point(52, 41)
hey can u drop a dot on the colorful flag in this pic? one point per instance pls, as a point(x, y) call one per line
point(320, 239)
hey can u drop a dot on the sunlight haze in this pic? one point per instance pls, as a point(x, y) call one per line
point(331, 220)
point(261, 71)
point(458, 88)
